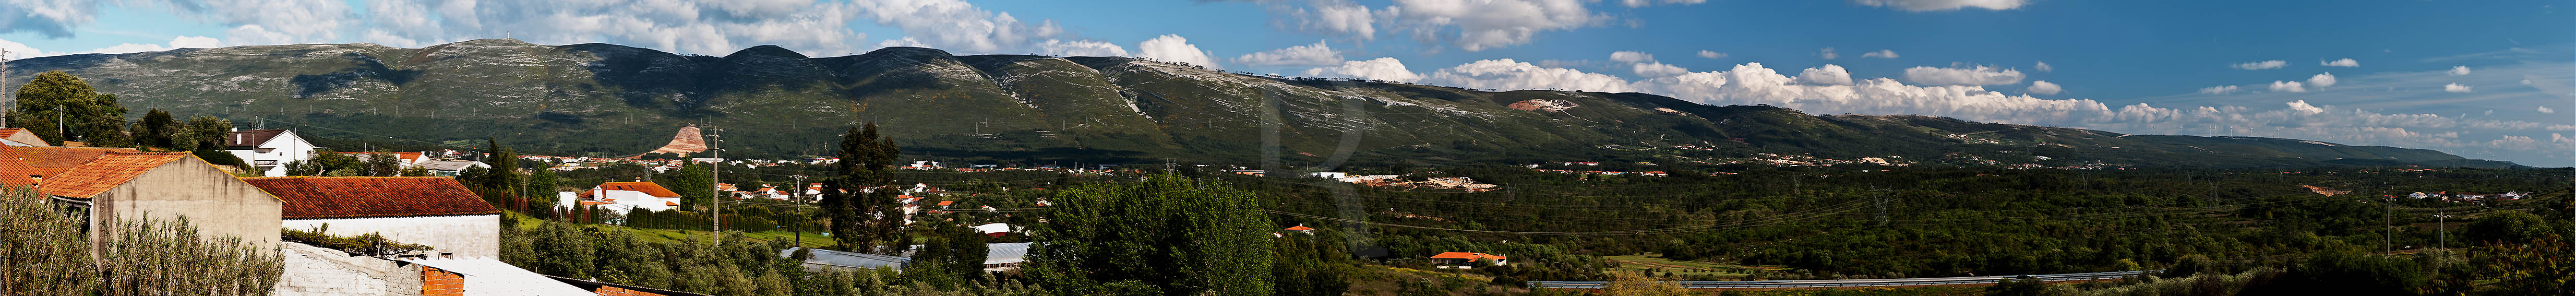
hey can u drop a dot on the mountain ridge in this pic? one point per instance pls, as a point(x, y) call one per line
point(613, 100)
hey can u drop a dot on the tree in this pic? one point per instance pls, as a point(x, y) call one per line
point(1168, 235)
point(2507, 227)
point(382, 165)
point(865, 216)
point(47, 253)
point(953, 256)
point(55, 97)
point(692, 182)
point(2019, 286)
point(541, 187)
point(156, 131)
point(1310, 265)
point(201, 133)
point(500, 184)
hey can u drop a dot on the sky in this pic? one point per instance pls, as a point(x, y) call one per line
point(2481, 79)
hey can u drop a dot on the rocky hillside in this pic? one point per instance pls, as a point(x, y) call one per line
point(611, 100)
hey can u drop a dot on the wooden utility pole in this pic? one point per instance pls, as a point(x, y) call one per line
point(715, 173)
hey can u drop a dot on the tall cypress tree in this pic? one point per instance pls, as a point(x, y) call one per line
point(865, 215)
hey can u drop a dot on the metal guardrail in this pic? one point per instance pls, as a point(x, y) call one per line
point(1854, 283)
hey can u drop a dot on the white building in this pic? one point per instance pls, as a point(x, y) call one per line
point(269, 150)
point(634, 196)
point(433, 211)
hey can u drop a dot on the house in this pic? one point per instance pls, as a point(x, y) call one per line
point(1301, 228)
point(450, 168)
point(994, 229)
point(822, 260)
point(104, 186)
point(433, 211)
point(634, 196)
point(21, 138)
point(1465, 260)
point(268, 150)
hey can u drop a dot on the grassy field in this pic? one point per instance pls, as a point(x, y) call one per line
point(1678, 268)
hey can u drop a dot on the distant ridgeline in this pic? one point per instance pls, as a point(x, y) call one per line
point(612, 100)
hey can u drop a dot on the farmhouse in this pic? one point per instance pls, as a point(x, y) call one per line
point(433, 211)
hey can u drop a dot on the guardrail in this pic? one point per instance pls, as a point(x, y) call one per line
point(1979, 280)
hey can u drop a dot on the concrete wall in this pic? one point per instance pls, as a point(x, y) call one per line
point(470, 237)
point(316, 271)
point(215, 202)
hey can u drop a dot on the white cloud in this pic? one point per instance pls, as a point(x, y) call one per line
point(1976, 75)
point(175, 43)
point(1173, 48)
point(21, 50)
point(1827, 53)
point(1712, 54)
point(1317, 54)
point(906, 41)
point(2043, 67)
point(1081, 48)
point(2347, 62)
point(1485, 24)
point(1384, 68)
point(2219, 90)
point(2263, 65)
point(2455, 87)
point(1829, 74)
point(952, 25)
point(2545, 109)
point(1657, 69)
point(2322, 80)
point(1644, 3)
point(2042, 87)
point(1884, 54)
point(1337, 17)
point(1631, 57)
point(195, 42)
point(1943, 5)
point(1506, 74)
point(2288, 86)
point(2303, 107)
point(51, 19)
point(2459, 70)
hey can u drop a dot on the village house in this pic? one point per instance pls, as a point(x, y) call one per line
point(1466, 260)
point(450, 168)
point(622, 197)
point(433, 211)
point(268, 150)
point(103, 186)
point(21, 138)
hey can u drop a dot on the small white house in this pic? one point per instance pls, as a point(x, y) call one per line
point(433, 211)
point(269, 150)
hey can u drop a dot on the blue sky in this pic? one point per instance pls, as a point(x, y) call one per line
point(2199, 67)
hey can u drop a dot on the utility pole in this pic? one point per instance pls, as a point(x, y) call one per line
point(715, 173)
point(796, 195)
point(4, 88)
point(1881, 196)
point(2442, 220)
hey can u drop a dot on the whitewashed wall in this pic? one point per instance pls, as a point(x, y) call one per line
point(473, 236)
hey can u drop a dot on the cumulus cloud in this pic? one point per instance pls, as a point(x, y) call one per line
point(2303, 107)
point(1174, 48)
point(1481, 25)
point(1884, 54)
point(709, 27)
point(2459, 70)
point(1385, 68)
point(2545, 109)
point(195, 42)
point(2219, 90)
point(51, 19)
point(1975, 75)
point(2043, 67)
point(952, 25)
point(1827, 53)
point(1506, 74)
point(1336, 17)
point(2322, 80)
point(175, 43)
point(1943, 5)
point(21, 50)
point(1317, 54)
point(2263, 65)
point(2288, 86)
point(1656, 69)
point(2455, 87)
point(1631, 57)
point(2347, 62)
point(1829, 74)
point(1644, 3)
point(2042, 87)
point(1081, 48)
point(1712, 54)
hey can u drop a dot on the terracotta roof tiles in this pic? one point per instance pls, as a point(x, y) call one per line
point(109, 170)
point(355, 197)
point(648, 188)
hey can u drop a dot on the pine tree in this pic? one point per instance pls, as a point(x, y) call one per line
point(865, 216)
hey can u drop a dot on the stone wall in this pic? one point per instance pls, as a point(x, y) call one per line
point(316, 271)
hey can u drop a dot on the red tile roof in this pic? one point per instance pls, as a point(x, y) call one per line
point(109, 170)
point(1301, 227)
point(354, 197)
point(1468, 256)
point(670, 203)
point(648, 188)
point(944, 203)
point(18, 163)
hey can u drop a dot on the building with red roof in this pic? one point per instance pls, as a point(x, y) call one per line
point(433, 211)
point(1466, 260)
point(20, 137)
point(634, 196)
